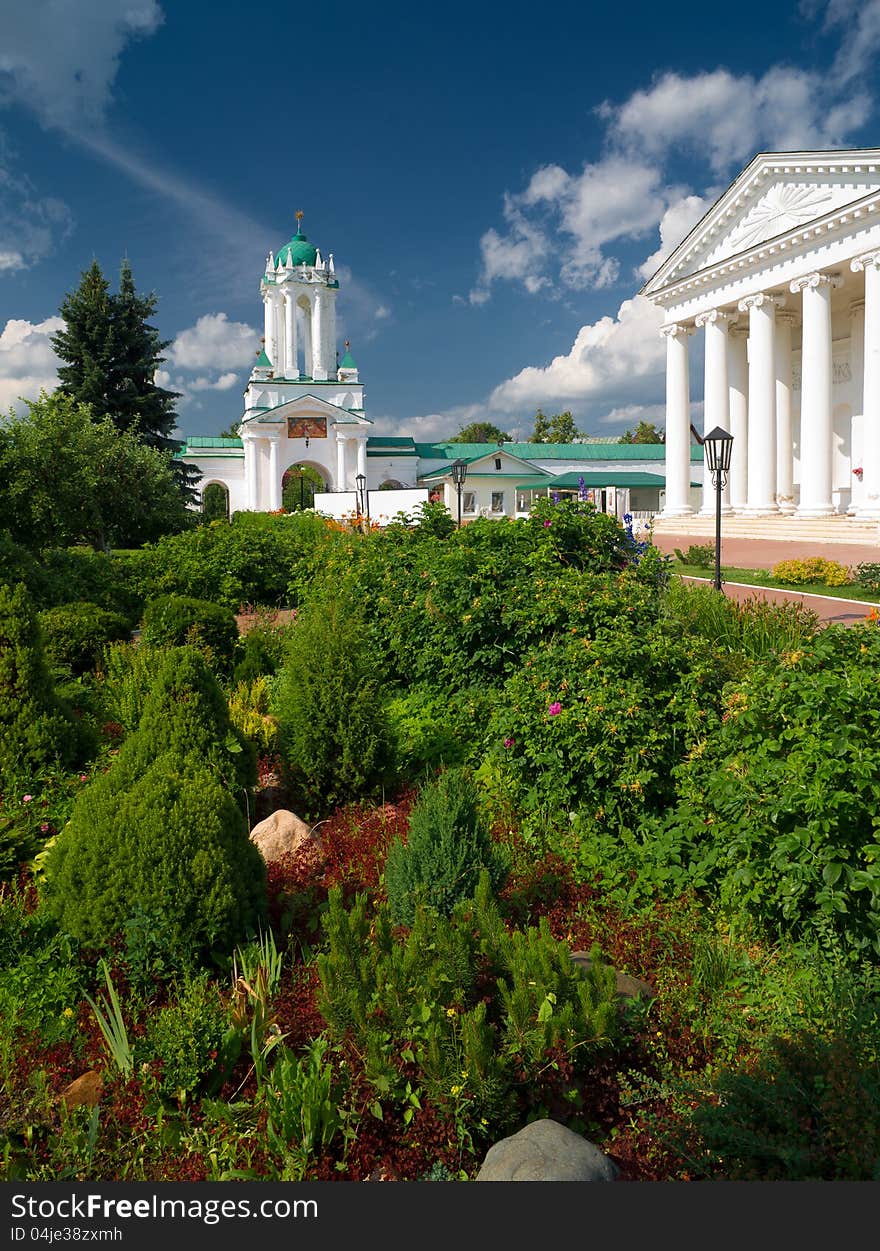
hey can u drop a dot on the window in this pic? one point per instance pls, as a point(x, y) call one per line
point(497, 501)
point(497, 462)
point(468, 501)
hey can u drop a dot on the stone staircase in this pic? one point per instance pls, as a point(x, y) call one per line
point(835, 529)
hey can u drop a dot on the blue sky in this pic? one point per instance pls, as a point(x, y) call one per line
point(495, 182)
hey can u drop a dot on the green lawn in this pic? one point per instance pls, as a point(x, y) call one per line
point(763, 577)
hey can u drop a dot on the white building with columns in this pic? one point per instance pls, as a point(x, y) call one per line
point(782, 279)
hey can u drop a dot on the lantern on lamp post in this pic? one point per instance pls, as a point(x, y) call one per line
point(459, 473)
point(361, 483)
point(718, 446)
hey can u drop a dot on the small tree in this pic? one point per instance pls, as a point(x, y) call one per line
point(559, 428)
point(333, 731)
point(645, 432)
point(447, 849)
point(162, 833)
point(36, 729)
point(480, 432)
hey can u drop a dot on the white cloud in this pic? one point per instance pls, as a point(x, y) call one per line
point(60, 58)
point(618, 359)
point(223, 383)
point(31, 225)
point(860, 20)
point(28, 363)
point(214, 341)
point(677, 222)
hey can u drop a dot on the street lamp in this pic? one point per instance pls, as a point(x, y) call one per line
point(459, 473)
point(718, 446)
point(360, 483)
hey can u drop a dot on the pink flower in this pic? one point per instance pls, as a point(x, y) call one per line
point(509, 742)
point(44, 828)
point(84, 777)
point(554, 710)
point(26, 799)
point(547, 523)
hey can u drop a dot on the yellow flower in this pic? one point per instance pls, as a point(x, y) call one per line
point(455, 1090)
point(68, 1012)
point(451, 1012)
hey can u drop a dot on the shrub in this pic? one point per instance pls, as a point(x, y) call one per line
point(162, 832)
point(814, 569)
point(447, 848)
point(698, 556)
point(187, 1036)
point(249, 713)
point(175, 620)
point(332, 728)
point(36, 729)
point(75, 634)
point(747, 630)
point(261, 652)
point(777, 810)
point(868, 576)
point(172, 843)
point(126, 675)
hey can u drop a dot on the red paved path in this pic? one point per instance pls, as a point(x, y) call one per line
point(765, 553)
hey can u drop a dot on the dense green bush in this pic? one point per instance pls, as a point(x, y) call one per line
point(777, 807)
point(588, 730)
point(178, 620)
point(162, 833)
point(739, 632)
point(36, 728)
point(813, 569)
point(126, 674)
point(75, 634)
point(868, 576)
point(447, 849)
point(186, 1037)
point(333, 731)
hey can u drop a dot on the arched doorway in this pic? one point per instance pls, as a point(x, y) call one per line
point(298, 487)
point(215, 502)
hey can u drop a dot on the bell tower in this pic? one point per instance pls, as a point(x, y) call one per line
point(299, 289)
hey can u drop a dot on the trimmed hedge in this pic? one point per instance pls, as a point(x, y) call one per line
point(75, 634)
point(179, 620)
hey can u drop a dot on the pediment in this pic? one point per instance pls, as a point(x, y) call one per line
point(775, 195)
point(306, 406)
point(485, 464)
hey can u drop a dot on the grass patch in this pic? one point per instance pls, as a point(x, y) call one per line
point(763, 577)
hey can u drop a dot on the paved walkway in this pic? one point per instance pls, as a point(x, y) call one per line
point(765, 553)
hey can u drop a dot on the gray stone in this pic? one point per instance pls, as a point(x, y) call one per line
point(284, 834)
point(627, 987)
point(546, 1151)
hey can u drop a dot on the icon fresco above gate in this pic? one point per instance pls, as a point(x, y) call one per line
point(307, 427)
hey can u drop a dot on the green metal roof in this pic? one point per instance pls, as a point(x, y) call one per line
point(347, 362)
point(391, 440)
point(298, 251)
point(553, 451)
point(209, 441)
point(611, 478)
point(263, 361)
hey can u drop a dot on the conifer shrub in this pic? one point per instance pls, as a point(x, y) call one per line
point(36, 727)
point(172, 842)
point(163, 832)
point(178, 620)
point(126, 674)
point(447, 848)
point(75, 634)
point(333, 732)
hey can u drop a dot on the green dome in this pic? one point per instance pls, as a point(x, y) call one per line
point(298, 250)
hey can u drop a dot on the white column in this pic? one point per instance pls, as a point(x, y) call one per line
point(250, 472)
point(870, 265)
point(274, 492)
point(857, 425)
point(784, 435)
point(290, 370)
point(816, 412)
point(738, 394)
point(319, 368)
point(308, 367)
point(341, 481)
point(716, 397)
point(268, 326)
point(678, 422)
point(762, 403)
point(362, 456)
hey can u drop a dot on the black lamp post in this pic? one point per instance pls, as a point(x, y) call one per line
point(459, 473)
point(360, 483)
point(718, 445)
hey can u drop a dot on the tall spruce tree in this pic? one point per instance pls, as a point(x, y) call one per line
point(111, 355)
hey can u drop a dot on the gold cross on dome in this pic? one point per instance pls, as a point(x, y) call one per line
point(347, 345)
point(299, 216)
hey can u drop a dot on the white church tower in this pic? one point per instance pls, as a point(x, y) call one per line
point(302, 405)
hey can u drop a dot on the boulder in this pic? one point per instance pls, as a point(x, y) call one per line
point(627, 987)
point(546, 1151)
point(284, 834)
point(83, 1092)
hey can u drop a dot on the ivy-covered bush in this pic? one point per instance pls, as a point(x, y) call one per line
point(75, 635)
point(447, 848)
point(163, 831)
point(777, 811)
point(868, 576)
point(333, 731)
point(178, 620)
